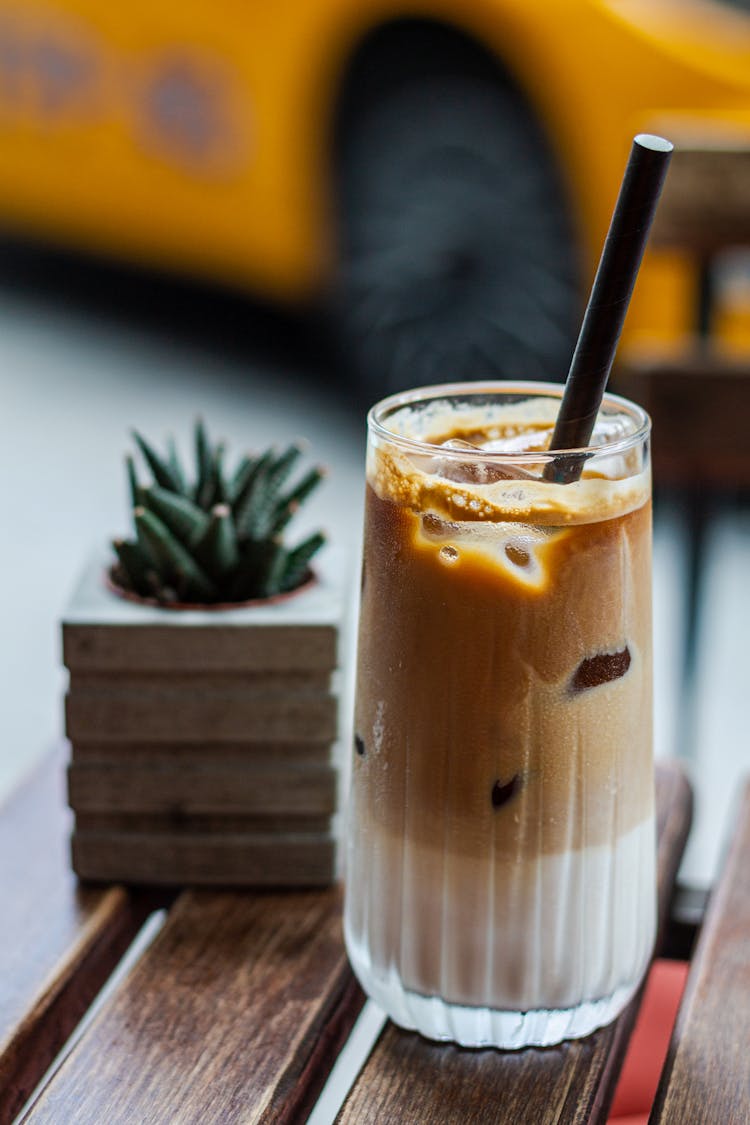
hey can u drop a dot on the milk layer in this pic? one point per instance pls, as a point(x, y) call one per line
point(546, 934)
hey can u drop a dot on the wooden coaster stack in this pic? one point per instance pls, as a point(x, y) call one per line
point(203, 743)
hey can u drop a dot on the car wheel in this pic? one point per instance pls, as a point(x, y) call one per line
point(457, 254)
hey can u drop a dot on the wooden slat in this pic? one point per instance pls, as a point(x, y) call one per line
point(58, 943)
point(408, 1079)
point(235, 789)
point(235, 1014)
point(176, 822)
point(190, 755)
point(159, 684)
point(707, 1073)
point(190, 717)
point(180, 647)
point(206, 859)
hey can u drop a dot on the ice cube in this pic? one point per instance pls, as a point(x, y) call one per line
point(518, 554)
point(599, 669)
point(530, 441)
point(504, 791)
point(610, 428)
point(476, 471)
point(458, 443)
point(463, 472)
point(425, 463)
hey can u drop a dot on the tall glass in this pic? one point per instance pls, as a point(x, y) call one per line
point(500, 882)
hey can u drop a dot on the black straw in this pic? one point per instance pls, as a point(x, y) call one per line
point(608, 303)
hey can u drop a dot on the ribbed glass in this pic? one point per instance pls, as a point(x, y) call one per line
point(500, 873)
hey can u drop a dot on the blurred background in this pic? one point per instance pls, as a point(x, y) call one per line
point(272, 215)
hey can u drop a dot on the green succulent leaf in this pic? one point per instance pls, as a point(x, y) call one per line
point(217, 550)
point(291, 503)
point(222, 487)
point(134, 486)
point(275, 569)
point(135, 566)
point(214, 488)
point(248, 502)
point(217, 539)
point(160, 468)
point(203, 459)
point(240, 478)
point(260, 518)
point(256, 524)
point(284, 465)
point(256, 560)
point(173, 460)
point(175, 564)
point(298, 561)
point(181, 516)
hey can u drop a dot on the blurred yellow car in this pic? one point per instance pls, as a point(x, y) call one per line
point(443, 170)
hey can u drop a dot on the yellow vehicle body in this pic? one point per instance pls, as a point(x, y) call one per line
point(196, 135)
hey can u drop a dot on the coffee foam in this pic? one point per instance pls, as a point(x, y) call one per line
point(613, 485)
point(431, 423)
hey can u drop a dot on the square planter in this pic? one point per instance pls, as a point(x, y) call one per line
point(203, 742)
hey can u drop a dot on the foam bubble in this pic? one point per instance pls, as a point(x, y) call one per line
point(449, 555)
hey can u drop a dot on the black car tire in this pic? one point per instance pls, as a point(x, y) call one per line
point(458, 258)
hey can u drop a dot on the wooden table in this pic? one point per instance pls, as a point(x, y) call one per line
point(238, 1008)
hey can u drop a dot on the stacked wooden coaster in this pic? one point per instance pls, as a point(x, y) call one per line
point(203, 743)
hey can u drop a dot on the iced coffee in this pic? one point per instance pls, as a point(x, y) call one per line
point(501, 852)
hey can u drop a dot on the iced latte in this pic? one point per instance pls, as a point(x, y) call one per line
point(500, 867)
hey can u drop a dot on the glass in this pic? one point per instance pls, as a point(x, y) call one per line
point(500, 881)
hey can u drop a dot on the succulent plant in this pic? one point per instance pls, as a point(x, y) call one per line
point(216, 536)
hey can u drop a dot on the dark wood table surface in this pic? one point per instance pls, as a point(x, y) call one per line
point(239, 1006)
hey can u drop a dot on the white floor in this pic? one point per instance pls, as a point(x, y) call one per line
point(71, 386)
